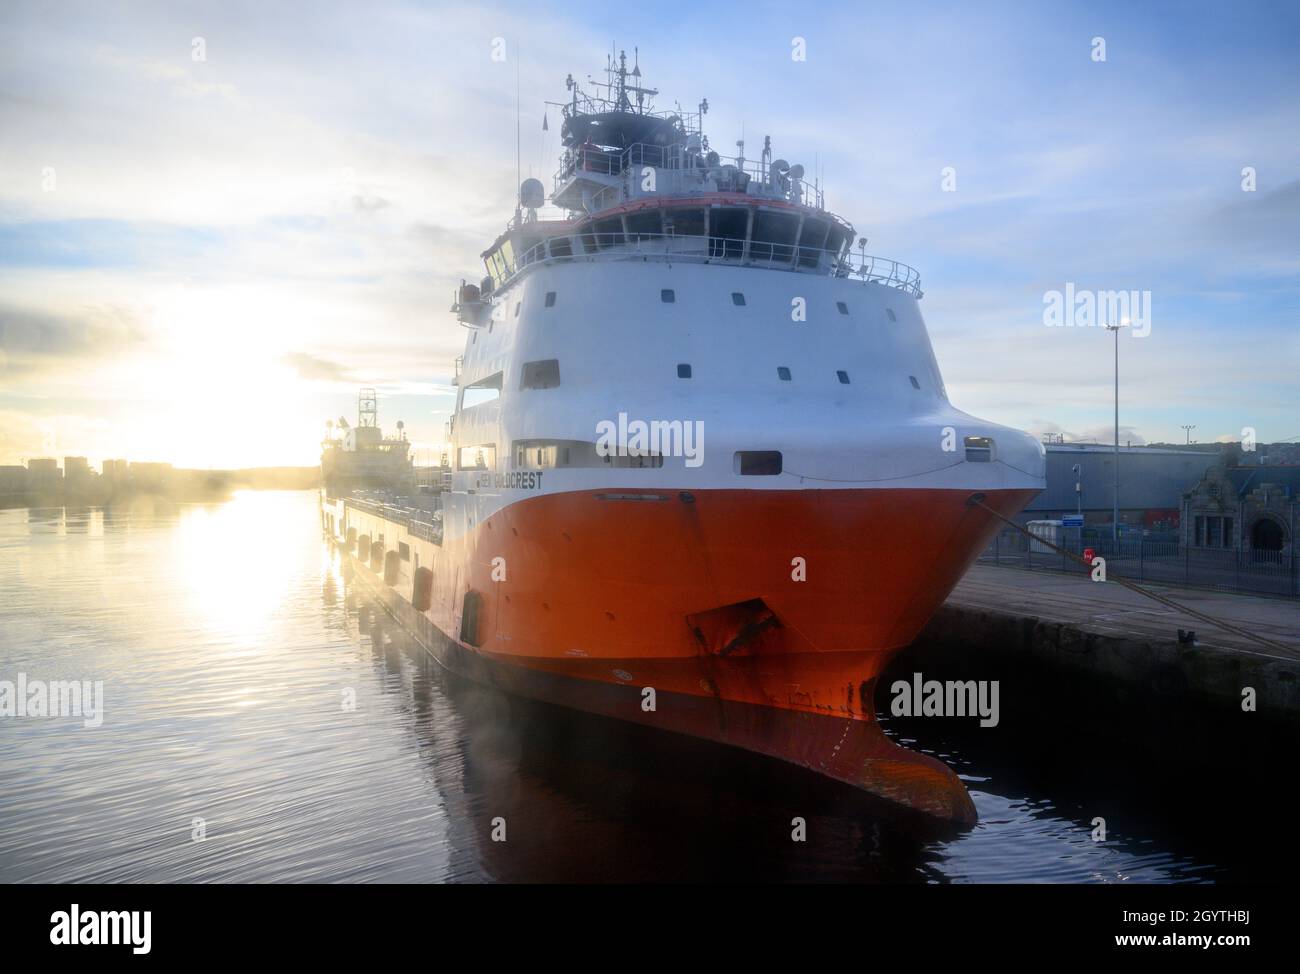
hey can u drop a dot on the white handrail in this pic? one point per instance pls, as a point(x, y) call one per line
point(712, 249)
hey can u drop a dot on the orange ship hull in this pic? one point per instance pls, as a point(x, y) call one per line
point(761, 619)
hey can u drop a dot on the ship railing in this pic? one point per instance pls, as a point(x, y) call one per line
point(882, 270)
point(419, 522)
point(542, 214)
point(711, 249)
point(684, 169)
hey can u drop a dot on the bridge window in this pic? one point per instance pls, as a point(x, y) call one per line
point(683, 370)
point(811, 241)
point(684, 222)
point(644, 225)
point(543, 374)
point(609, 233)
point(890, 313)
point(560, 247)
point(915, 384)
point(550, 299)
point(783, 373)
point(668, 296)
point(773, 237)
point(844, 308)
point(843, 377)
point(727, 228)
point(737, 299)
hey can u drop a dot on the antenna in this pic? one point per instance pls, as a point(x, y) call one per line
point(518, 150)
point(367, 408)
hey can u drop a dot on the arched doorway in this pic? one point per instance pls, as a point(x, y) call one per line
point(1266, 536)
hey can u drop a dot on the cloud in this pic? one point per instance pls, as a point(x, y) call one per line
point(34, 341)
point(314, 369)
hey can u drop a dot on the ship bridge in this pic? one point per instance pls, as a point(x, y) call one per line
point(642, 184)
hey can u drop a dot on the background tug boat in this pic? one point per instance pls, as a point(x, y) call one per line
point(794, 523)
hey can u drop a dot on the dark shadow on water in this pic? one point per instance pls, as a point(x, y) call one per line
point(585, 798)
point(1209, 785)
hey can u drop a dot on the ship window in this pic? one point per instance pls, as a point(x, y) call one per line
point(668, 296)
point(783, 373)
point(773, 236)
point(843, 377)
point(550, 299)
point(683, 370)
point(915, 384)
point(647, 223)
point(560, 247)
point(481, 457)
point(835, 240)
point(727, 228)
point(683, 222)
point(737, 299)
point(811, 241)
point(609, 233)
point(979, 449)
point(758, 463)
point(549, 454)
point(403, 551)
point(543, 374)
point(844, 308)
point(890, 313)
point(546, 454)
point(518, 305)
point(482, 391)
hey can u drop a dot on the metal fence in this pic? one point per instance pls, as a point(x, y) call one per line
point(1148, 560)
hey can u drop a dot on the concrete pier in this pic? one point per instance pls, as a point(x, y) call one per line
point(1105, 631)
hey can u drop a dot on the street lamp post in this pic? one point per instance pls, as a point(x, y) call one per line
point(1114, 524)
point(1189, 432)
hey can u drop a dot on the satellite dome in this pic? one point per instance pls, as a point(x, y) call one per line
point(532, 193)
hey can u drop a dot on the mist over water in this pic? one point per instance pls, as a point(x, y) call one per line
point(228, 643)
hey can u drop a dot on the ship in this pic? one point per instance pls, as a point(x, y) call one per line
point(361, 457)
point(702, 471)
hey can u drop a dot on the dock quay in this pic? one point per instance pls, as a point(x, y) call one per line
point(1100, 630)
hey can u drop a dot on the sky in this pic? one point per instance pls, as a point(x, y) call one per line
point(203, 257)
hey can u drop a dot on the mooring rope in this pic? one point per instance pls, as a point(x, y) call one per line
point(977, 500)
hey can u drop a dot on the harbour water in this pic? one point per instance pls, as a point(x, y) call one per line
point(264, 721)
